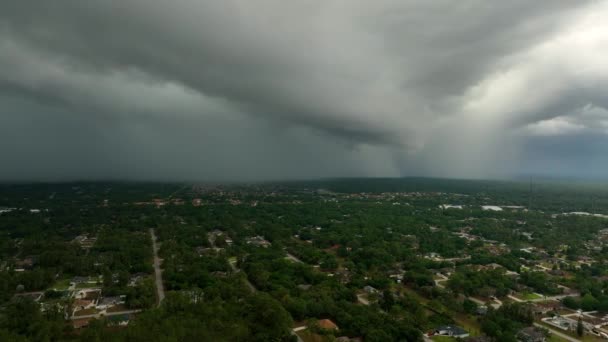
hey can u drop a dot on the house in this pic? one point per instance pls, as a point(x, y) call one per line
point(84, 241)
point(542, 308)
point(83, 304)
point(137, 278)
point(258, 241)
point(398, 277)
point(79, 280)
point(107, 302)
point(561, 322)
point(432, 256)
point(119, 320)
point(208, 250)
point(451, 330)
point(482, 310)
point(81, 323)
point(90, 294)
point(25, 263)
point(327, 324)
point(370, 289)
point(531, 334)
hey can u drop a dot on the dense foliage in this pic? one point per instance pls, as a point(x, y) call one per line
point(383, 259)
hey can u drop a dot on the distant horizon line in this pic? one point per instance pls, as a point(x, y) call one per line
point(521, 178)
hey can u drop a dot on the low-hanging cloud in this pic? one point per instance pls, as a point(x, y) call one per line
point(273, 89)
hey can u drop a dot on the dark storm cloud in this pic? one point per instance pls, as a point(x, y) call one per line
point(273, 89)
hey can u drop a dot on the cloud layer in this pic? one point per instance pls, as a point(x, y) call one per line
point(219, 90)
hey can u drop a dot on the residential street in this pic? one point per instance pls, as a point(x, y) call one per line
point(158, 272)
point(247, 282)
point(541, 299)
point(361, 298)
point(557, 333)
point(104, 313)
point(294, 258)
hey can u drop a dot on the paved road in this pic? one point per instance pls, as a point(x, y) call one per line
point(294, 258)
point(559, 297)
point(104, 313)
point(477, 301)
point(362, 300)
point(237, 270)
point(557, 333)
point(158, 272)
point(442, 280)
point(498, 303)
point(438, 283)
point(294, 330)
point(515, 298)
point(234, 268)
point(542, 299)
point(296, 335)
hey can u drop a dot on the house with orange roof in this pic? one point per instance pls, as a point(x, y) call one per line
point(328, 324)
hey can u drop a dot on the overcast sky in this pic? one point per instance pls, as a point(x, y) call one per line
point(275, 89)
